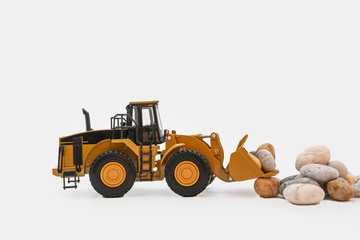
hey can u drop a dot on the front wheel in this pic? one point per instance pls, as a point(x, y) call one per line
point(112, 174)
point(187, 173)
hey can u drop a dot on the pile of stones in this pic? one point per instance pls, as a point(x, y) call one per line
point(318, 177)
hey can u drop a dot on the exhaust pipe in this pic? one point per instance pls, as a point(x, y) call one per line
point(87, 120)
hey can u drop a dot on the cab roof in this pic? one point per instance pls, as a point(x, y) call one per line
point(143, 102)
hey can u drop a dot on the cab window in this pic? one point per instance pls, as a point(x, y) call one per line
point(147, 116)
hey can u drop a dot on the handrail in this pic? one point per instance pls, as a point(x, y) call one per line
point(60, 158)
point(120, 120)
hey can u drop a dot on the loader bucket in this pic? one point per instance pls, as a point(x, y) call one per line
point(244, 166)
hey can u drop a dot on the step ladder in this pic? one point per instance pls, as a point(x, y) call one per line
point(142, 162)
point(69, 175)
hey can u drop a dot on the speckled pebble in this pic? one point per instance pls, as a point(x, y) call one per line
point(267, 160)
point(299, 176)
point(357, 178)
point(320, 173)
point(289, 178)
point(315, 154)
point(356, 189)
point(304, 180)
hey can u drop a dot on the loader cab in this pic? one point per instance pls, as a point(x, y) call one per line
point(147, 118)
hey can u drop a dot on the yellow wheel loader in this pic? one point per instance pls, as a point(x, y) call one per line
point(129, 151)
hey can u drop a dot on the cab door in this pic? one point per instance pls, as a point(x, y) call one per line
point(145, 119)
point(147, 125)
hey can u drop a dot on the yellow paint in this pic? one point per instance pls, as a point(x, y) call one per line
point(166, 155)
point(186, 173)
point(196, 143)
point(242, 165)
point(144, 102)
point(113, 174)
point(96, 150)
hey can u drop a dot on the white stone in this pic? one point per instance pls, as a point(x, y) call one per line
point(315, 154)
point(342, 169)
point(304, 194)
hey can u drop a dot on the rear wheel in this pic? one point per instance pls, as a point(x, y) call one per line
point(112, 174)
point(188, 173)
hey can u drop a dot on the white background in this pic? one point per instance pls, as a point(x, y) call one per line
point(283, 71)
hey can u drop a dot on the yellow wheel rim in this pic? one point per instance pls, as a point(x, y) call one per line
point(113, 174)
point(187, 173)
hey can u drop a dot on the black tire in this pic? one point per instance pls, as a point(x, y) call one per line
point(212, 178)
point(99, 163)
point(204, 173)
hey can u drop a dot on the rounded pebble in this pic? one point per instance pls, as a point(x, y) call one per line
point(356, 189)
point(289, 178)
point(340, 189)
point(256, 160)
point(267, 187)
point(315, 154)
point(350, 179)
point(267, 160)
point(299, 176)
point(320, 173)
point(303, 180)
point(342, 169)
point(269, 147)
point(304, 194)
point(357, 178)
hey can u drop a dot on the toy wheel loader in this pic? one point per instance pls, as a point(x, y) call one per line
point(129, 151)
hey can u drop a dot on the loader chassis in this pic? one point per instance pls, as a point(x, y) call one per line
point(127, 152)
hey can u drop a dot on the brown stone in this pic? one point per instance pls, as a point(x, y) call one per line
point(339, 189)
point(350, 179)
point(269, 147)
point(267, 187)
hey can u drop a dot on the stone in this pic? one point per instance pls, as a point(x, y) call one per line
point(315, 154)
point(267, 160)
point(269, 147)
point(256, 161)
point(350, 179)
point(320, 173)
point(340, 189)
point(267, 187)
point(357, 178)
point(304, 194)
point(342, 169)
point(289, 178)
point(356, 189)
point(297, 181)
point(299, 176)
